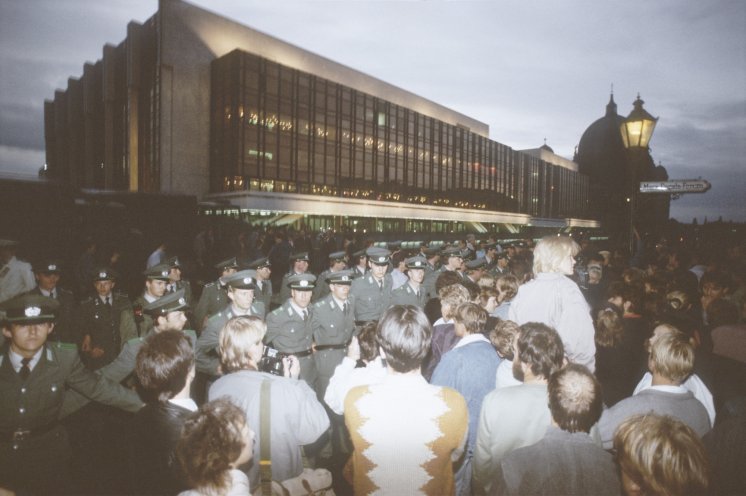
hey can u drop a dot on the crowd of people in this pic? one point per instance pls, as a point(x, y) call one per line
point(547, 367)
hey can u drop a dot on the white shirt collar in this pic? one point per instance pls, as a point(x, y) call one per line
point(471, 338)
point(297, 309)
point(186, 403)
point(148, 297)
point(669, 389)
point(15, 359)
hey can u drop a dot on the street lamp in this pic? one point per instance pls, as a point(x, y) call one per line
point(636, 130)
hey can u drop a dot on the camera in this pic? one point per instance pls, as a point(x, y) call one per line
point(271, 362)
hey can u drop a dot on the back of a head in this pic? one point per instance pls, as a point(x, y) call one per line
point(447, 278)
point(502, 337)
point(404, 335)
point(609, 327)
point(452, 296)
point(367, 339)
point(551, 250)
point(472, 316)
point(508, 286)
point(540, 347)
point(661, 455)
point(163, 365)
point(671, 354)
point(575, 399)
point(237, 336)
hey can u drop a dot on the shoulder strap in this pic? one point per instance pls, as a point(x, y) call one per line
point(265, 456)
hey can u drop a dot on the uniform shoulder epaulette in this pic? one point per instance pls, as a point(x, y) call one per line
point(277, 311)
point(64, 346)
point(215, 316)
point(318, 304)
point(210, 284)
point(133, 340)
point(87, 300)
point(190, 333)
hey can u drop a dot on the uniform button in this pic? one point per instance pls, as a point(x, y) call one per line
point(21, 410)
point(23, 390)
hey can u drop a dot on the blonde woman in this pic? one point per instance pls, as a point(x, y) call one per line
point(554, 299)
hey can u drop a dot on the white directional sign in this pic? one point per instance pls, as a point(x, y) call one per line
point(678, 186)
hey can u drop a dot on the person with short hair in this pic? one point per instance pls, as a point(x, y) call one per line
point(670, 362)
point(507, 287)
point(297, 417)
point(372, 292)
point(502, 337)
point(517, 416)
point(47, 274)
point(443, 337)
point(214, 297)
point(209, 471)
point(660, 455)
point(554, 299)
point(337, 262)
point(299, 265)
point(412, 292)
point(469, 368)
point(566, 460)
point(165, 370)
point(407, 434)
point(136, 323)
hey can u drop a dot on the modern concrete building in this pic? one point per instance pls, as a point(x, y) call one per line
point(194, 103)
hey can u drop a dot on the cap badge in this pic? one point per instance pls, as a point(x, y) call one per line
point(164, 273)
point(345, 278)
point(381, 259)
point(303, 283)
point(102, 274)
point(247, 280)
point(52, 267)
point(417, 263)
point(182, 301)
point(32, 311)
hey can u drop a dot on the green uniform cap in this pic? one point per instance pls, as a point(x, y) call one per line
point(259, 263)
point(340, 277)
point(230, 263)
point(299, 256)
point(47, 267)
point(379, 256)
point(29, 308)
point(104, 274)
point(417, 262)
point(173, 262)
point(303, 282)
point(243, 279)
point(452, 251)
point(160, 271)
point(169, 302)
point(476, 264)
point(338, 256)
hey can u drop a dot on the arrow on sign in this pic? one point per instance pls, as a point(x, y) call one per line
point(679, 187)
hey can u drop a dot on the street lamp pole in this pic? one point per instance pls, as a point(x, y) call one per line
point(636, 130)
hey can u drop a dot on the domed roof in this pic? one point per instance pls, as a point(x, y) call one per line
point(601, 146)
point(546, 147)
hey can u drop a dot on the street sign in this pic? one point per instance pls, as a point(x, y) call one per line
point(678, 187)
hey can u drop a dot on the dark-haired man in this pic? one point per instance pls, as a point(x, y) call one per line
point(517, 416)
point(372, 293)
point(412, 292)
point(337, 261)
point(135, 323)
point(407, 434)
point(214, 297)
point(299, 265)
point(566, 460)
point(47, 274)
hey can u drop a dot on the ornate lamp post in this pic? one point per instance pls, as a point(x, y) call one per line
point(637, 129)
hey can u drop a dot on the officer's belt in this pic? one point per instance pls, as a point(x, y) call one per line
point(321, 347)
point(23, 434)
point(299, 354)
point(361, 323)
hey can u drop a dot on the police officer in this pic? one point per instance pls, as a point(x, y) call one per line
point(289, 327)
point(454, 259)
point(475, 269)
point(432, 270)
point(372, 293)
point(34, 379)
point(333, 326)
point(99, 318)
point(490, 254)
point(136, 323)
point(263, 291)
point(501, 267)
point(214, 298)
point(47, 274)
point(359, 263)
point(241, 286)
point(337, 261)
point(413, 291)
point(176, 281)
point(300, 266)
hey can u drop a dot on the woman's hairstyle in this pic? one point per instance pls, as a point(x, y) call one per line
point(662, 455)
point(550, 251)
point(237, 337)
point(368, 342)
point(211, 440)
point(671, 353)
point(575, 399)
point(507, 285)
point(609, 328)
point(451, 297)
point(472, 316)
point(163, 365)
point(502, 337)
point(404, 334)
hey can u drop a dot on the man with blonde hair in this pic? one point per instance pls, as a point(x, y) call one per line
point(658, 454)
point(670, 362)
point(554, 299)
point(297, 416)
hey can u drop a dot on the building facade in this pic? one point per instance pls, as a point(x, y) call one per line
point(194, 103)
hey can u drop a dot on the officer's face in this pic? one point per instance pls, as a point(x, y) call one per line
point(228, 271)
point(27, 339)
point(416, 275)
point(242, 298)
point(155, 287)
point(175, 274)
point(300, 266)
point(172, 321)
point(103, 288)
point(455, 262)
point(264, 273)
point(47, 280)
point(301, 298)
point(340, 291)
point(338, 265)
point(378, 271)
point(502, 263)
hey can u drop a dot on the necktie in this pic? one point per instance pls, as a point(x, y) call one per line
point(108, 301)
point(305, 314)
point(25, 370)
point(346, 307)
point(380, 285)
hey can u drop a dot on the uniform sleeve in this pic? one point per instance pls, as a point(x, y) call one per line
point(273, 328)
point(127, 326)
point(205, 352)
point(200, 310)
point(124, 364)
point(98, 388)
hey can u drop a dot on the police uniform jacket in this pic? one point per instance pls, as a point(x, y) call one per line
point(213, 299)
point(406, 295)
point(371, 300)
point(265, 293)
point(285, 289)
point(64, 327)
point(206, 349)
point(322, 288)
point(102, 323)
point(331, 326)
point(289, 333)
point(135, 323)
point(428, 283)
point(187, 287)
point(34, 405)
point(118, 370)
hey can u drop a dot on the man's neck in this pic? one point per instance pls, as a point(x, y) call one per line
point(659, 380)
point(414, 284)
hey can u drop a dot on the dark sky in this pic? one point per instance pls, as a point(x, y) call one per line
point(530, 69)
